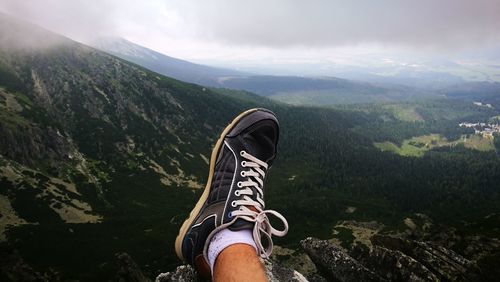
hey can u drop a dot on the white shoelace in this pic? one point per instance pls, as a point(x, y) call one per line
point(262, 227)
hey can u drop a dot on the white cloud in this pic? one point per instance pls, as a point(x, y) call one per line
point(263, 29)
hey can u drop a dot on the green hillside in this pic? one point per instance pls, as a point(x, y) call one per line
point(100, 156)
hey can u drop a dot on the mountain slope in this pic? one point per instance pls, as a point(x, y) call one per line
point(160, 63)
point(90, 142)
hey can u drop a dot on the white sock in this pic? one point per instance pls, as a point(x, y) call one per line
point(226, 238)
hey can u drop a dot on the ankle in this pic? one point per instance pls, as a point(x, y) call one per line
point(225, 239)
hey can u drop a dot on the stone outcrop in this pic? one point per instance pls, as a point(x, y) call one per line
point(14, 268)
point(128, 270)
point(275, 272)
point(444, 263)
point(335, 263)
point(183, 273)
point(392, 265)
point(389, 259)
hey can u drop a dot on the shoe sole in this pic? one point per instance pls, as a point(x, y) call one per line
point(215, 152)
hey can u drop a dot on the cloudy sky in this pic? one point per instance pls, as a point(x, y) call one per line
point(293, 31)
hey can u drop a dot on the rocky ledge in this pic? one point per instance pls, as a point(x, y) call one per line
point(388, 259)
point(275, 273)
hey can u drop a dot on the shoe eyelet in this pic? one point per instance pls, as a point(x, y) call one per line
point(233, 204)
point(230, 214)
point(243, 163)
point(239, 184)
point(242, 174)
point(242, 153)
point(237, 193)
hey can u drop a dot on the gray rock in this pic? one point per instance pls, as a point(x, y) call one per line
point(183, 273)
point(275, 272)
point(336, 263)
point(392, 265)
point(14, 268)
point(129, 270)
point(444, 263)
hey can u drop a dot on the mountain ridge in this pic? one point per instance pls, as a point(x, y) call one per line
point(163, 64)
point(288, 89)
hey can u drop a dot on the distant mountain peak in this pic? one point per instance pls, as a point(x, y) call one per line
point(121, 45)
point(163, 64)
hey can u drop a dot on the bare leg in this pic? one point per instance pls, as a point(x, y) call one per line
point(239, 262)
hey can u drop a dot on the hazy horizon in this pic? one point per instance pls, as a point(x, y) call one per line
point(285, 37)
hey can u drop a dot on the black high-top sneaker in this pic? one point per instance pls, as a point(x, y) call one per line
point(234, 195)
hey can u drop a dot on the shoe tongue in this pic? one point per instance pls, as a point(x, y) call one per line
point(255, 148)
